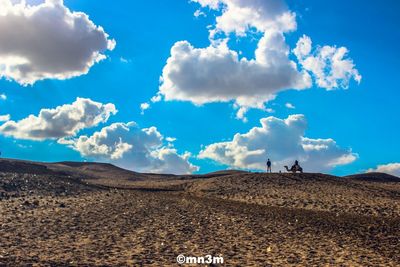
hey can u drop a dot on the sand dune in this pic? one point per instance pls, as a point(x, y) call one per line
point(89, 214)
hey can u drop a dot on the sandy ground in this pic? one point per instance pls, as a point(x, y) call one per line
point(248, 219)
point(316, 192)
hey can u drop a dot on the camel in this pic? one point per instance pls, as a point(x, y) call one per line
point(294, 169)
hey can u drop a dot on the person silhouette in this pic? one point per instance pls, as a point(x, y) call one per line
point(269, 169)
point(296, 165)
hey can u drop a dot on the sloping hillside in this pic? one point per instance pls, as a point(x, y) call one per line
point(311, 191)
point(94, 170)
point(21, 166)
point(374, 177)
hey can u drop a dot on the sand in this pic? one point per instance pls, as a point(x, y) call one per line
point(248, 219)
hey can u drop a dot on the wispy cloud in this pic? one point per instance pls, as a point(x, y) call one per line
point(4, 118)
point(290, 106)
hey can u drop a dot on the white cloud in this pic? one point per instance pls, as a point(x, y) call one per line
point(239, 16)
point(63, 121)
point(281, 140)
point(214, 4)
point(5, 117)
point(125, 60)
point(290, 106)
point(170, 139)
point(128, 146)
point(199, 13)
point(46, 40)
point(391, 168)
point(219, 74)
point(143, 107)
point(328, 64)
point(3, 97)
point(156, 98)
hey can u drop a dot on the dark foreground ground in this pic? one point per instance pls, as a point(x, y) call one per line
point(253, 220)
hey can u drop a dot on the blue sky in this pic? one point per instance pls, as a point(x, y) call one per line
point(362, 119)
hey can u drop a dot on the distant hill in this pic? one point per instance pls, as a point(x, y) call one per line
point(94, 170)
point(374, 177)
point(82, 170)
point(21, 166)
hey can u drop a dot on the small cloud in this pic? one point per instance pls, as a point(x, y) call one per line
point(124, 60)
point(3, 97)
point(5, 117)
point(143, 107)
point(24, 146)
point(290, 106)
point(170, 139)
point(156, 98)
point(198, 13)
point(270, 110)
point(240, 115)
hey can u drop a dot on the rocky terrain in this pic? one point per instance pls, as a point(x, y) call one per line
point(87, 214)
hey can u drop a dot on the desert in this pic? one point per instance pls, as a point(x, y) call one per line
point(199, 133)
point(66, 214)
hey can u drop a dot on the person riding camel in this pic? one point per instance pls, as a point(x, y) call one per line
point(295, 168)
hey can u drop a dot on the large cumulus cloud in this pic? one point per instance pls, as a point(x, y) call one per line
point(219, 74)
point(46, 40)
point(129, 146)
point(281, 140)
point(62, 121)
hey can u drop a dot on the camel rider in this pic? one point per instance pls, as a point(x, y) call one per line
point(296, 165)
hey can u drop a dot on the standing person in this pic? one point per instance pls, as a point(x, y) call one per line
point(269, 166)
